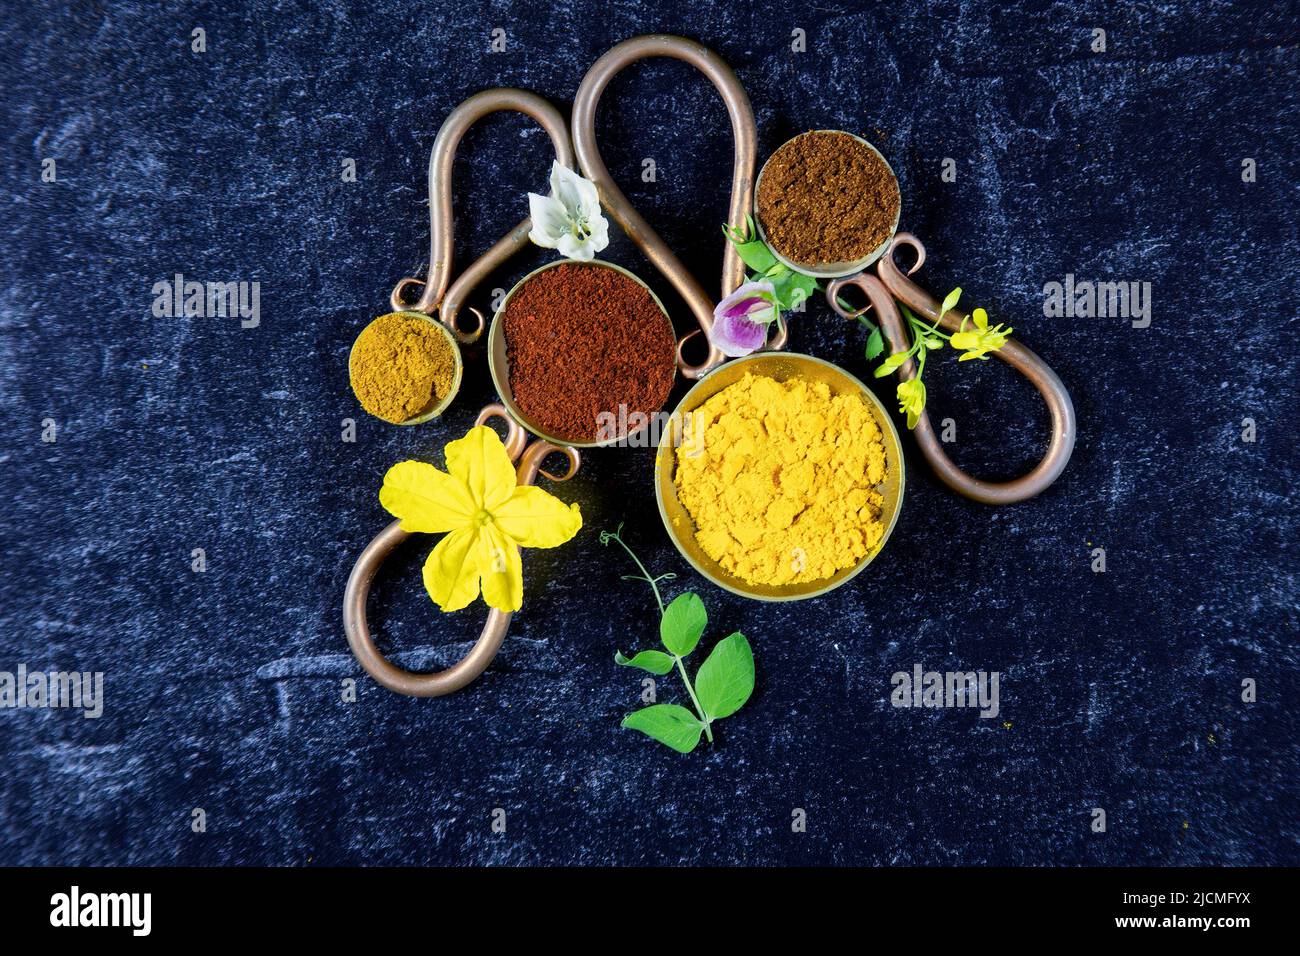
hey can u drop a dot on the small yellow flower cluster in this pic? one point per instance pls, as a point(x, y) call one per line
point(981, 340)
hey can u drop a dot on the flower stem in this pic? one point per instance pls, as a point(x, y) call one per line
point(839, 299)
point(653, 582)
point(920, 329)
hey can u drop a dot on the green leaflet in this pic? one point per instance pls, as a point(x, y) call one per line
point(726, 679)
point(683, 623)
point(791, 288)
point(756, 255)
point(669, 724)
point(751, 249)
point(656, 662)
point(875, 343)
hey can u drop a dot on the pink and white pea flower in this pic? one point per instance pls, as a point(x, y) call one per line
point(740, 320)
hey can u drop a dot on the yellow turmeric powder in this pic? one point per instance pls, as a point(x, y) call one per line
point(401, 366)
point(782, 481)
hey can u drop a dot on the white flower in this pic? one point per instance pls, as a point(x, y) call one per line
point(569, 218)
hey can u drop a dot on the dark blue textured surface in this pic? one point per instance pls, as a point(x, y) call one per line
point(1119, 690)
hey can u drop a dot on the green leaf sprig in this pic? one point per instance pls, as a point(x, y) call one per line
point(722, 685)
point(976, 343)
point(791, 288)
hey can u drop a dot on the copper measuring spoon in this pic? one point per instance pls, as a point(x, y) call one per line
point(368, 655)
point(745, 136)
point(888, 285)
point(446, 298)
point(440, 295)
point(618, 207)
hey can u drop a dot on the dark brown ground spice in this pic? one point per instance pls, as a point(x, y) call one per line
point(825, 197)
point(584, 339)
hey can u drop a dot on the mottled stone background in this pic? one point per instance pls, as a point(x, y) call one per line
point(1119, 690)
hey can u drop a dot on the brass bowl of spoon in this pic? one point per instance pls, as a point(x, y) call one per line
point(438, 405)
point(782, 366)
point(827, 270)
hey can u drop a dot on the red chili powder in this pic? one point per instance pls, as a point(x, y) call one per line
point(582, 339)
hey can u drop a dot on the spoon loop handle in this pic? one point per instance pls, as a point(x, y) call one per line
point(891, 285)
point(368, 563)
point(439, 293)
point(745, 137)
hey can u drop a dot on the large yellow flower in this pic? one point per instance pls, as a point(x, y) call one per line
point(487, 515)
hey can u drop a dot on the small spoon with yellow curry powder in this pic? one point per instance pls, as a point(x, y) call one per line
point(405, 368)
